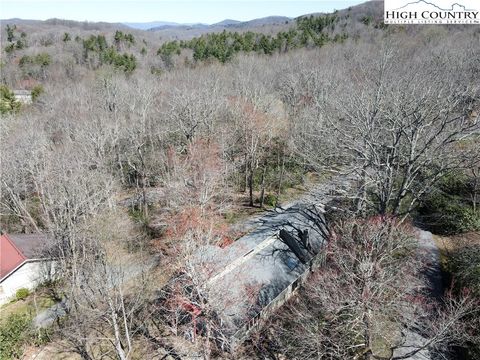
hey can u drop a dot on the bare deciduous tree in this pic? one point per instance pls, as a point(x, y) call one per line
point(399, 127)
point(369, 303)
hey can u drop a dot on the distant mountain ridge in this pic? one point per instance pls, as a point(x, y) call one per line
point(86, 25)
point(227, 23)
point(149, 25)
point(169, 31)
point(158, 24)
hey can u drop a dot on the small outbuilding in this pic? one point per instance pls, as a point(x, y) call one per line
point(23, 96)
point(22, 264)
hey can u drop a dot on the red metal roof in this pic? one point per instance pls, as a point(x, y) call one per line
point(10, 256)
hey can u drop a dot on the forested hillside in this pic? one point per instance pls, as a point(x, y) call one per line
point(137, 152)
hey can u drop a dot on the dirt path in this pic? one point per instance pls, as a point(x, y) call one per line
point(430, 257)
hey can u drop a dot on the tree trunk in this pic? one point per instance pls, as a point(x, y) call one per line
point(362, 191)
point(207, 352)
point(366, 334)
point(262, 194)
point(475, 191)
point(245, 183)
point(250, 186)
point(280, 181)
point(144, 197)
point(118, 342)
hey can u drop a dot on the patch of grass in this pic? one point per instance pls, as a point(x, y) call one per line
point(14, 333)
point(291, 194)
point(240, 213)
point(16, 329)
point(138, 216)
point(32, 304)
point(231, 217)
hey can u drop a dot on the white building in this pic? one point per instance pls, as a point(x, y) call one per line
point(23, 96)
point(21, 263)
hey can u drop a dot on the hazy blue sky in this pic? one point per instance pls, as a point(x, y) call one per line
point(209, 11)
